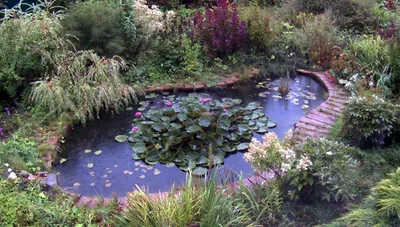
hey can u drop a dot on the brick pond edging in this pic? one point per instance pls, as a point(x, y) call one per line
point(315, 124)
point(318, 122)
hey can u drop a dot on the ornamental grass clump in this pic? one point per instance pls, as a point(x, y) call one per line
point(220, 29)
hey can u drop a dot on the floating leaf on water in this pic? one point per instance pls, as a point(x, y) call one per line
point(63, 160)
point(170, 164)
point(105, 176)
point(121, 138)
point(144, 171)
point(97, 152)
point(88, 151)
point(109, 171)
point(142, 108)
point(149, 167)
point(129, 108)
point(91, 173)
point(92, 184)
point(130, 173)
point(141, 176)
point(107, 185)
point(77, 184)
point(199, 171)
point(90, 165)
point(115, 166)
point(126, 171)
point(304, 106)
point(156, 172)
point(306, 102)
point(136, 169)
point(137, 163)
point(107, 181)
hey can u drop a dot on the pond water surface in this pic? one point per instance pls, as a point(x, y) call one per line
point(98, 165)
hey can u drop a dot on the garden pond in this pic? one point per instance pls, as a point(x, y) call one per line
point(94, 163)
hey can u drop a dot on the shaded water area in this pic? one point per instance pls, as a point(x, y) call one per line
point(98, 165)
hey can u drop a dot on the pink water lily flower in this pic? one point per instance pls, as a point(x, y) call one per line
point(138, 114)
point(225, 110)
point(205, 100)
point(134, 129)
point(169, 103)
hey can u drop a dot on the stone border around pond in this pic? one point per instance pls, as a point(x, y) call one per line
point(315, 124)
point(318, 122)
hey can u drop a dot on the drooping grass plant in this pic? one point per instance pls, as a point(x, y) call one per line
point(83, 83)
point(198, 203)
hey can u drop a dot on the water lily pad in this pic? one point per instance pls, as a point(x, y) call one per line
point(142, 176)
point(92, 184)
point(193, 129)
point(170, 164)
point(107, 185)
point(199, 171)
point(121, 138)
point(90, 165)
point(105, 176)
point(272, 124)
point(115, 166)
point(63, 160)
point(77, 184)
point(192, 155)
point(130, 173)
point(129, 108)
point(242, 146)
point(88, 151)
point(142, 108)
point(97, 152)
point(126, 171)
point(136, 169)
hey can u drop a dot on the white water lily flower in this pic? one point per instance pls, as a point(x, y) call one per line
point(9, 170)
point(6, 165)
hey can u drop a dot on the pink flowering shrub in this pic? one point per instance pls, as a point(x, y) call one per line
point(220, 30)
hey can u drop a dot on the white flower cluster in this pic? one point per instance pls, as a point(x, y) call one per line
point(151, 20)
point(270, 155)
point(303, 163)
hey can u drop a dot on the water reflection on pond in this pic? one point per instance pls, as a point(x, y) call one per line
point(98, 165)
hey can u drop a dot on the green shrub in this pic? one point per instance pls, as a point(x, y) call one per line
point(19, 152)
point(330, 174)
point(97, 25)
point(83, 84)
point(381, 208)
point(258, 26)
point(28, 42)
point(347, 14)
point(27, 205)
point(370, 120)
point(317, 38)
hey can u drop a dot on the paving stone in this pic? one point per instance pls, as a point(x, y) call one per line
point(311, 127)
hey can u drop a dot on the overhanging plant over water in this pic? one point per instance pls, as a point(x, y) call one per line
point(195, 132)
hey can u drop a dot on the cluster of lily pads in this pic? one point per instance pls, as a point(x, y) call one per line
point(195, 132)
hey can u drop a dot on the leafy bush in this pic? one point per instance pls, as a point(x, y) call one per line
point(370, 120)
point(18, 152)
point(26, 205)
point(381, 208)
point(194, 133)
point(326, 171)
point(97, 25)
point(143, 27)
point(318, 38)
point(220, 30)
point(28, 42)
point(347, 14)
point(191, 206)
point(83, 84)
point(258, 26)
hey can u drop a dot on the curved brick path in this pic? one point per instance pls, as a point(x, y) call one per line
point(319, 121)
